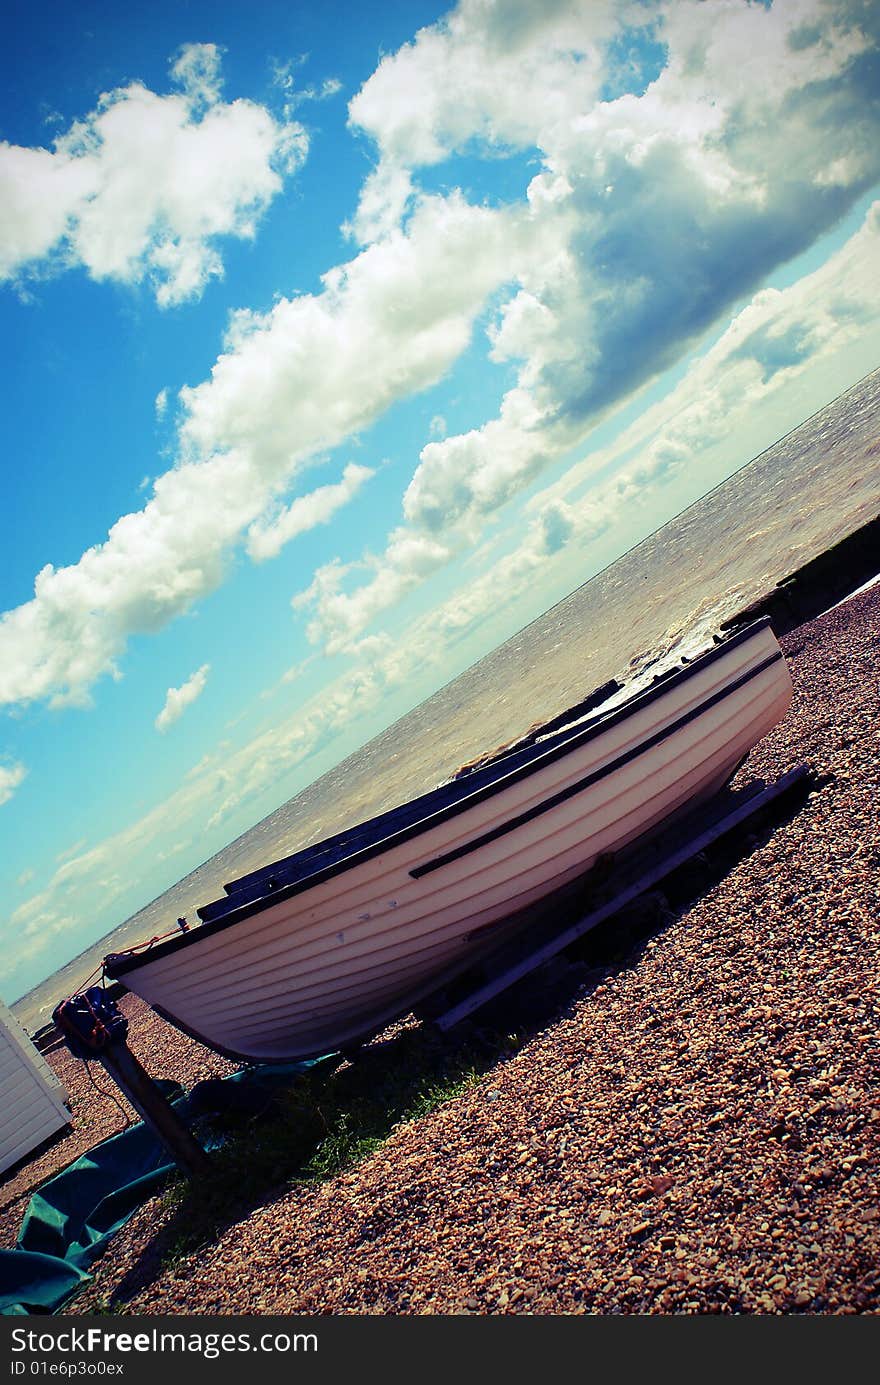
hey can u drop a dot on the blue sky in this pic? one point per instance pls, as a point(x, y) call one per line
point(341, 341)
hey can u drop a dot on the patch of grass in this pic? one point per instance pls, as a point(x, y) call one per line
point(105, 1307)
point(329, 1120)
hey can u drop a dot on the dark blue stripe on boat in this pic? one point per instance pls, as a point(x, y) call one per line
point(297, 865)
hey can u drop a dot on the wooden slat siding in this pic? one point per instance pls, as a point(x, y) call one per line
point(15, 1086)
point(31, 1108)
point(15, 1079)
point(34, 1124)
point(35, 1128)
point(27, 1046)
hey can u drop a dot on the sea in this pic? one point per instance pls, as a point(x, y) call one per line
point(663, 599)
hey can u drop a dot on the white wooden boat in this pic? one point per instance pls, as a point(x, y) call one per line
point(317, 951)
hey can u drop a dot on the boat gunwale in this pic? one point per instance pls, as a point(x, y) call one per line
point(117, 965)
point(595, 776)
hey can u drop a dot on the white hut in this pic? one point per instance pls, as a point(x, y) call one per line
point(31, 1096)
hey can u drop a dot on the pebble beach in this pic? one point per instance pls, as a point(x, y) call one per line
point(694, 1127)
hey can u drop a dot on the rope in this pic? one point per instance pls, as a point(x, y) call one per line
point(101, 1092)
point(99, 1028)
point(100, 973)
point(140, 947)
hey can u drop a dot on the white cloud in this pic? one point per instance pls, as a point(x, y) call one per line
point(291, 385)
point(331, 86)
point(154, 564)
point(663, 209)
point(468, 475)
point(778, 336)
point(178, 699)
point(486, 72)
point(282, 77)
point(161, 404)
point(268, 535)
point(341, 616)
point(317, 368)
point(69, 851)
point(656, 211)
point(82, 865)
point(11, 775)
point(174, 850)
point(196, 69)
point(145, 185)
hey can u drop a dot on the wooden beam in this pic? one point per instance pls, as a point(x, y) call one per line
point(146, 1098)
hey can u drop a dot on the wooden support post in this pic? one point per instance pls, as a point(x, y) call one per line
point(150, 1104)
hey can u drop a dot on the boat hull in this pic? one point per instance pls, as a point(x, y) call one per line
point(328, 959)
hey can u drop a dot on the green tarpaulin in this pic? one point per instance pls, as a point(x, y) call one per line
point(72, 1217)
